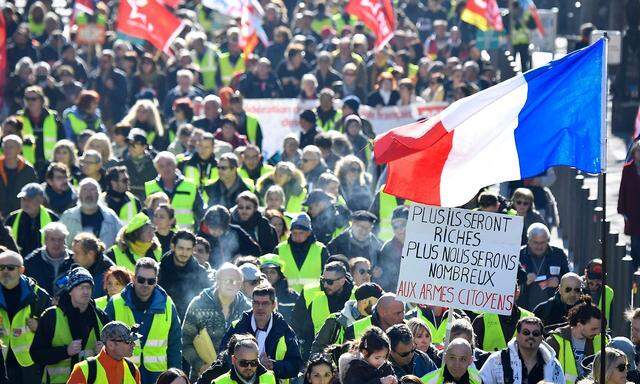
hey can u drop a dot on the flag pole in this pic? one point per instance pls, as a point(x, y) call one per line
point(603, 221)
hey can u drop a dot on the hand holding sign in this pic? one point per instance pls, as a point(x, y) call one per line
point(461, 259)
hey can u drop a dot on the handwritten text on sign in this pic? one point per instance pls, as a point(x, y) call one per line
point(460, 259)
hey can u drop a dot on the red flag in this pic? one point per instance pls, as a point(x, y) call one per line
point(377, 15)
point(251, 30)
point(3, 57)
point(149, 20)
point(484, 14)
point(171, 3)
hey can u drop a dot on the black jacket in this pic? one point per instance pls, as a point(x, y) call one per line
point(260, 230)
point(326, 223)
point(81, 325)
point(97, 270)
point(307, 138)
point(292, 362)
point(361, 372)
point(253, 87)
point(287, 298)
point(29, 237)
point(37, 267)
point(552, 312)
point(182, 283)
point(235, 241)
point(218, 193)
point(347, 245)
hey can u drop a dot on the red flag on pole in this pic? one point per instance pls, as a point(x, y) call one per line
point(3, 58)
point(251, 30)
point(377, 15)
point(149, 20)
point(484, 14)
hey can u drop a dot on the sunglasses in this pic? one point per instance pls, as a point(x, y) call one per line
point(324, 280)
point(248, 363)
point(526, 332)
point(576, 290)
point(622, 367)
point(520, 202)
point(149, 281)
point(405, 354)
point(9, 267)
point(362, 271)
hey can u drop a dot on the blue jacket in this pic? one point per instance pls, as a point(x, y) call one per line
point(144, 318)
point(292, 362)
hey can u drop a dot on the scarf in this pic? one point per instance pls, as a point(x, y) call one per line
point(140, 248)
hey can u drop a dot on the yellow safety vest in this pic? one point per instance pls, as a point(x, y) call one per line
point(36, 28)
point(437, 334)
point(361, 325)
point(294, 202)
point(385, 212)
point(493, 339)
point(320, 310)
point(154, 352)
point(78, 125)
point(265, 378)
point(437, 376)
point(128, 210)
point(59, 372)
point(49, 135)
point(310, 271)
point(568, 360)
point(610, 294)
point(101, 373)
point(330, 124)
point(101, 302)
point(229, 70)
point(182, 201)
point(208, 68)
point(200, 179)
point(339, 24)
point(45, 219)
point(252, 128)
point(17, 335)
point(266, 168)
point(121, 258)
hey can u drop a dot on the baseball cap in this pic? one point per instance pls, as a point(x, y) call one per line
point(117, 330)
point(302, 221)
point(137, 135)
point(363, 215)
point(138, 221)
point(594, 269)
point(271, 260)
point(31, 190)
point(250, 272)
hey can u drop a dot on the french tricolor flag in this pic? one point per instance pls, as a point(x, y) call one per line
point(549, 116)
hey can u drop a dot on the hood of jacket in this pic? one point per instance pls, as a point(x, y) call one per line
point(350, 311)
point(27, 292)
point(158, 298)
point(552, 369)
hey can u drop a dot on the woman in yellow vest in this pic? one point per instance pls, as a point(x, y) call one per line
point(135, 241)
point(292, 182)
point(84, 115)
point(145, 115)
point(69, 331)
point(115, 279)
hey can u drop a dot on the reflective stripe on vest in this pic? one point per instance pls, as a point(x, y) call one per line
point(154, 352)
point(310, 271)
point(359, 326)
point(17, 336)
point(493, 339)
point(252, 129)
point(437, 376)
point(182, 201)
point(567, 359)
point(59, 373)
point(229, 70)
point(320, 311)
point(266, 168)
point(101, 374)
point(387, 203)
point(101, 302)
point(193, 174)
point(49, 133)
point(265, 378)
point(122, 259)
point(208, 68)
point(45, 219)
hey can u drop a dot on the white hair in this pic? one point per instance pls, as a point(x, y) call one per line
point(184, 73)
point(537, 229)
point(310, 77)
point(14, 138)
point(228, 267)
point(55, 226)
point(213, 98)
point(313, 149)
point(88, 180)
point(165, 155)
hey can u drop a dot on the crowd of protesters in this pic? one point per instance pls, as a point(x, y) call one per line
point(148, 238)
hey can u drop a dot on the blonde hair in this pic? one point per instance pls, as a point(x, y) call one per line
point(147, 105)
point(610, 357)
point(523, 193)
point(101, 143)
point(343, 165)
point(415, 324)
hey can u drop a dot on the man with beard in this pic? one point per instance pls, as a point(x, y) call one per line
point(89, 216)
point(525, 360)
point(554, 311)
point(246, 368)
point(332, 331)
point(117, 196)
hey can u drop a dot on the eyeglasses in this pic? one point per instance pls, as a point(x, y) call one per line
point(324, 280)
point(362, 271)
point(622, 367)
point(526, 332)
point(521, 202)
point(9, 267)
point(248, 363)
point(575, 289)
point(405, 354)
point(230, 282)
point(123, 341)
point(149, 281)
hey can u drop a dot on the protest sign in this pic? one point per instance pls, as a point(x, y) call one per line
point(461, 259)
point(279, 117)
